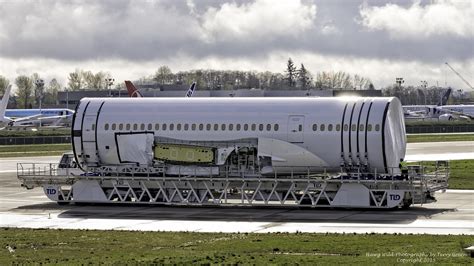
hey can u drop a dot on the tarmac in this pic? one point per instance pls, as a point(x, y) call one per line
point(453, 213)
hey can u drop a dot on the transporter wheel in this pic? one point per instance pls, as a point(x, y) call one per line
point(407, 201)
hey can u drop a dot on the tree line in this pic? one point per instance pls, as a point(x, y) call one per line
point(28, 93)
point(292, 78)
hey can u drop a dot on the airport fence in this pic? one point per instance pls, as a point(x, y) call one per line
point(34, 140)
point(433, 128)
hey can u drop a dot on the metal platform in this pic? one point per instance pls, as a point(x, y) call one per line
point(313, 189)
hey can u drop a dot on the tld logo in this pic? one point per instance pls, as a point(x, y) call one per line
point(51, 191)
point(394, 197)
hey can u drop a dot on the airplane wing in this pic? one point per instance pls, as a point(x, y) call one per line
point(457, 114)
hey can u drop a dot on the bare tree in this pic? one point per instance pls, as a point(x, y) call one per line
point(51, 93)
point(75, 80)
point(3, 84)
point(163, 75)
point(25, 90)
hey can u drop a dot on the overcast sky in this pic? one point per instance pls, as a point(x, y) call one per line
point(377, 39)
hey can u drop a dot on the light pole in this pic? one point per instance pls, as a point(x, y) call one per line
point(424, 84)
point(399, 82)
point(109, 82)
point(67, 98)
point(39, 87)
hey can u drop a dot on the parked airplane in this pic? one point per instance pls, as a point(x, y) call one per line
point(133, 91)
point(441, 111)
point(22, 118)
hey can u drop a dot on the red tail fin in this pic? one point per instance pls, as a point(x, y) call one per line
point(132, 91)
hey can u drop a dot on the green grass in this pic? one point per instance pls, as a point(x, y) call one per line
point(462, 174)
point(46, 246)
point(439, 138)
point(33, 150)
point(41, 132)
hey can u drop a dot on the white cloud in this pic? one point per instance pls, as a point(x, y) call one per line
point(257, 20)
point(444, 17)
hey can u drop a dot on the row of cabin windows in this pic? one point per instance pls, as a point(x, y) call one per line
point(322, 127)
point(193, 127)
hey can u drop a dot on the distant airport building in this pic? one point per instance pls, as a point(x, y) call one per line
point(71, 98)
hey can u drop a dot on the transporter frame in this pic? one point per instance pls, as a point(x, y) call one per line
point(315, 188)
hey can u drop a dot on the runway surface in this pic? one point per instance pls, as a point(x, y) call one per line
point(452, 214)
point(432, 151)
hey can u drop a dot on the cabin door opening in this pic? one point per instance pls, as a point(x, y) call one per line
point(295, 128)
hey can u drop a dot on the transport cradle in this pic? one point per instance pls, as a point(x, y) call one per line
point(315, 188)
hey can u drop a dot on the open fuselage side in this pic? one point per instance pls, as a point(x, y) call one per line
point(348, 132)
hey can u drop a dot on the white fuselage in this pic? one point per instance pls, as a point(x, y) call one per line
point(332, 131)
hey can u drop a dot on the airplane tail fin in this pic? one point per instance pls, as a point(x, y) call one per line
point(4, 102)
point(445, 98)
point(132, 91)
point(191, 89)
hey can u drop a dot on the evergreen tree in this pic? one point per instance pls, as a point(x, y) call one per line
point(290, 73)
point(303, 77)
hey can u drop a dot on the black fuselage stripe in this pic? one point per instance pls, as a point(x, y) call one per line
point(366, 125)
point(358, 124)
point(96, 127)
point(350, 129)
point(82, 128)
point(73, 135)
point(342, 130)
point(383, 136)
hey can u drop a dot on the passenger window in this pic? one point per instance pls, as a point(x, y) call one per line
point(354, 127)
point(330, 127)
point(142, 127)
point(377, 127)
point(260, 127)
point(216, 127)
point(361, 127)
point(223, 127)
point(246, 127)
point(369, 127)
point(178, 127)
point(238, 127)
point(120, 126)
point(276, 127)
point(346, 127)
point(150, 127)
point(186, 127)
point(114, 126)
point(171, 126)
point(322, 127)
point(231, 127)
point(106, 126)
point(315, 127)
point(300, 128)
point(193, 127)
point(93, 126)
point(254, 127)
point(201, 126)
point(163, 127)
point(135, 126)
point(338, 127)
point(157, 126)
point(128, 126)
point(208, 127)
point(269, 127)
